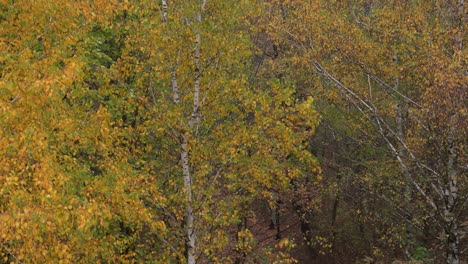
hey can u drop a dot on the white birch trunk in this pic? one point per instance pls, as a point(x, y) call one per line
point(451, 188)
point(175, 89)
point(450, 199)
point(194, 119)
point(196, 60)
point(174, 86)
point(189, 214)
point(164, 10)
point(189, 221)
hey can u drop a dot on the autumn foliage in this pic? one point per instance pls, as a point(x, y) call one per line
point(203, 131)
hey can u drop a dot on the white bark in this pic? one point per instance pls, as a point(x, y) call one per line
point(451, 225)
point(164, 10)
point(194, 119)
point(451, 188)
point(189, 214)
point(190, 239)
point(447, 192)
point(196, 60)
point(450, 200)
point(174, 85)
point(175, 89)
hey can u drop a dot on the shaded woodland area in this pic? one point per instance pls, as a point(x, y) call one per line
point(222, 131)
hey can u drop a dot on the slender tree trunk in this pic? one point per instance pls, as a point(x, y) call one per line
point(275, 215)
point(450, 192)
point(189, 222)
point(174, 85)
point(164, 10)
point(189, 214)
point(196, 60)
point(242, 226)
point(194, 119)
point(336, 204)
point(461, 18)
point(401, 112)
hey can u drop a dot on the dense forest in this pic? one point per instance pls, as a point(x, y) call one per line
point(222, 131)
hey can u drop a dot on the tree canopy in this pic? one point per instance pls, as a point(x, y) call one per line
point(203, 131)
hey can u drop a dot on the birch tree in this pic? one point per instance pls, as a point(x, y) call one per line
point(381, 58)
point(215, 142)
